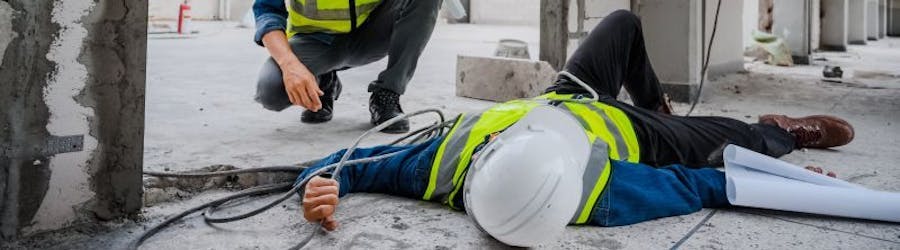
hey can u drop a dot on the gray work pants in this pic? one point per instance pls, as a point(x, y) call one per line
point(399, 29)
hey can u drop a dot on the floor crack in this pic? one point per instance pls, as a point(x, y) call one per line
point(693, 230)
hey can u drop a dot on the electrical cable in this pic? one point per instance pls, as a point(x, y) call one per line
point(430, 133)
point(380, 127)
point(253, 191)
point(712, 38)
point(295, 168)
point(594, 96)
point(425, 130)
point(208, 216)
point(212, 206)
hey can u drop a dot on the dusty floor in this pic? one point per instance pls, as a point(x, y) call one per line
point(200, 112)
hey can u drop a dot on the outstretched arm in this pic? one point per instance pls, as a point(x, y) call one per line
point(404, 174)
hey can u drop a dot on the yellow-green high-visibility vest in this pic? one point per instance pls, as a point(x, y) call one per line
point(608, 128)
point(328, 16)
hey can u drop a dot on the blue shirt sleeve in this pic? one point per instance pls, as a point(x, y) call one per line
point(405, 174)
point(638, 192)
point(270, 15)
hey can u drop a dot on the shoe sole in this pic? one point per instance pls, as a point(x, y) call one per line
point(390, 130)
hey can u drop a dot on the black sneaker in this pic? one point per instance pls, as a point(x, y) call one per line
point(384, 105)
point(331, 85)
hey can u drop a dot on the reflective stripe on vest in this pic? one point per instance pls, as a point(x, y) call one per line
point(328, 16)
point(594, 180)
point(612, 126)
point(452, 146)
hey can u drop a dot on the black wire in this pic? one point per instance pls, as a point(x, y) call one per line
point(426, 132)
point(299, 167)
point(712, 38)
point(249, 192)
point(208, 215)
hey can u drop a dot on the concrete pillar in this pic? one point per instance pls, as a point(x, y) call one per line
point(894, 18)
point(872, 19)
point(673, 33)
point(750, 22)
point(815, 25)
point(554, 30)
point(71, 126)
point(834, 24)
point(882, 18)
point(856, 22)
point(791, 21)
point(727, 49)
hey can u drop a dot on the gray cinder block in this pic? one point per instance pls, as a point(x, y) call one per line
point(501, 79)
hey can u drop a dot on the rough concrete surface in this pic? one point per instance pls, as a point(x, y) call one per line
point(24, 171)
point(200, 112)
point(70, 69)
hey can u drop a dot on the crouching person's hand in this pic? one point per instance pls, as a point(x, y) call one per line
point(320, 201)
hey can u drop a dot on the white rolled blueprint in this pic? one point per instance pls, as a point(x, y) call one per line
point(760, 181)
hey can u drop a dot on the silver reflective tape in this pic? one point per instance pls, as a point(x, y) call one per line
point(621, 147)
point(596, 163)
point(450, 159)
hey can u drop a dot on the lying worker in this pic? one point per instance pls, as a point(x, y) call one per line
point(309, 41)
point(526, 168)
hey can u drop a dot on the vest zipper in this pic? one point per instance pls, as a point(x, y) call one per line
point(352, 16)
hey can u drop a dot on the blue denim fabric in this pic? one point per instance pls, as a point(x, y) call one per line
point(405, 174)
point(637, 192)
point(272, 15)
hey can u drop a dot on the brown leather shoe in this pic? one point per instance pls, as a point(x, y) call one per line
point(817, 131)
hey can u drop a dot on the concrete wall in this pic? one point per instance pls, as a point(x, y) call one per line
point(527, 12)
point(792, 23)
point(595, 10)
point(201, 9)
point(524, 12)
point(728, 47)
point(856, 22)
point(72, 118)
point(834, 24)
point(673, 33)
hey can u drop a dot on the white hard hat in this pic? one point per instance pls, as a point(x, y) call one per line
point(525, 185)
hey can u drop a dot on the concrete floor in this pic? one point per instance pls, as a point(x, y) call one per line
point(200, 112)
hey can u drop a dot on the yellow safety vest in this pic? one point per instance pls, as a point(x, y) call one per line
point(610, 125)
point(328, 16)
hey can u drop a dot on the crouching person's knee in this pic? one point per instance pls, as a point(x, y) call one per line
point(270, 89)
point(624, 16)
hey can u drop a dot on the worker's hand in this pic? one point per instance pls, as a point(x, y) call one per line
point(320, 201)
point(301, 85)
point(821, 171)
